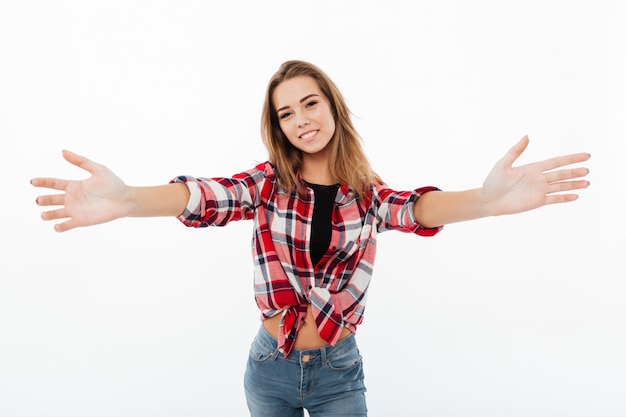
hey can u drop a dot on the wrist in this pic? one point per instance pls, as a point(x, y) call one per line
point(130, 201)
point(486, 204)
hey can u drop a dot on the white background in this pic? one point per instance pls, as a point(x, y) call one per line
point(510, 316)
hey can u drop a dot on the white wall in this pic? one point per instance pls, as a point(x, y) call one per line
point(516, 316)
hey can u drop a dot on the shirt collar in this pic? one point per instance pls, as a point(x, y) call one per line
point(345, 194)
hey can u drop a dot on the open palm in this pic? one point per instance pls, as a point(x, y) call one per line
point(101, 198)
point(511, 189)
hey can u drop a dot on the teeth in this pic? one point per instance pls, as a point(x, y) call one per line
point(309, 135)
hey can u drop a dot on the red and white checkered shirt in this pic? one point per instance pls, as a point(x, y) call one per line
point(285, 279)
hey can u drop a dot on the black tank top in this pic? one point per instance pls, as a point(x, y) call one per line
point(321, 226)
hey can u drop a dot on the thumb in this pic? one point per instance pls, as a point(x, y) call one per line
point(511, 156)
point(79, 161)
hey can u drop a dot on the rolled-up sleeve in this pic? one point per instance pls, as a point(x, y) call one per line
point(395, 210)
point(218, 201)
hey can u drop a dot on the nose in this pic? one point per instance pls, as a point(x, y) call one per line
point(302, 122)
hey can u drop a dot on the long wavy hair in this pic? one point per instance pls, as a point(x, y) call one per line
point(348, 162)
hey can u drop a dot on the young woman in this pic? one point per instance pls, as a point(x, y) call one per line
point(317, 207)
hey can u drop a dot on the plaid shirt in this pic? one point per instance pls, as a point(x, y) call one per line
point(285, 280)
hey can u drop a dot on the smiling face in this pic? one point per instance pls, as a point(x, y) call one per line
point(305, 116)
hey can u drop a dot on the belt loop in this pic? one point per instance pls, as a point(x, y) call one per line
point(323, 356)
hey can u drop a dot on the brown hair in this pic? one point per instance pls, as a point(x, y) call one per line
point(348, 162)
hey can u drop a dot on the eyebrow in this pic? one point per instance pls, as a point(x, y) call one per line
point(303, 99)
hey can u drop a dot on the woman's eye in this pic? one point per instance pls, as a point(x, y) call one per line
point(284, 115)
point(311, 103)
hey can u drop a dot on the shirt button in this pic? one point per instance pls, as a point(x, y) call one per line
point(310, 287)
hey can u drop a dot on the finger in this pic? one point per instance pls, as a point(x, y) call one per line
point(563, 160)
point(57, 214)
point(64, 227)
point(60, 214)
point(558, 187)
point(560, 198)
point(54, 183)
point(511, 156)
point(51, 200)
point(80, 161)
point(565, 174)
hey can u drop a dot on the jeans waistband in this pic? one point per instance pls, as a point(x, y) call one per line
point(308, 356)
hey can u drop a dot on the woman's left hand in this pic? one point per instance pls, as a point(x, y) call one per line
point(509, 189)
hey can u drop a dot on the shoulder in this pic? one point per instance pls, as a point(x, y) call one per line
point(263, 171)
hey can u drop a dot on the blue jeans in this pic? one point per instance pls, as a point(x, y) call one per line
point(326, 382)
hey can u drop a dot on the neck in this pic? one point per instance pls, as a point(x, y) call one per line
point(317, 171)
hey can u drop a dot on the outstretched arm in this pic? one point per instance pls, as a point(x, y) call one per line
point(104, 197)
point(507, 189)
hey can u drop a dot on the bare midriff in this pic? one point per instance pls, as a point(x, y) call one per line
point(308, 337)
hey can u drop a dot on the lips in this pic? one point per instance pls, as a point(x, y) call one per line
point(308, 136)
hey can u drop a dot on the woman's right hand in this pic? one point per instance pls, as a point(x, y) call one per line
point(101, 198)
